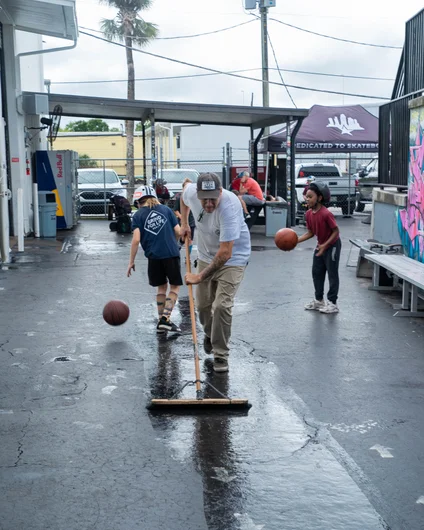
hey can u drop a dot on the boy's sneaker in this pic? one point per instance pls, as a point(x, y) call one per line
point(166, 325)
point(315, 305)
point(220, 364)
point(207, 345)
point(329, 308)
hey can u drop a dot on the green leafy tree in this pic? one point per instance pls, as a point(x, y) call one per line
point(128, 27)
point(93, 125)
point(139, 126)
point(86, 161)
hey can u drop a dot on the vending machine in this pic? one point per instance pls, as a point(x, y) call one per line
point(57, 171)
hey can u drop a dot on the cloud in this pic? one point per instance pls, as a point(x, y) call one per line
point(240, 48)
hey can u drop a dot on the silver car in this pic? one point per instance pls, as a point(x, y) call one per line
point(95, 188)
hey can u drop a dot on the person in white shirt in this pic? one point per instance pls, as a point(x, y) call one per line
point(223, 247)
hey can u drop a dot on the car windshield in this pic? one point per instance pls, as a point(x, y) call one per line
point(97, 177)
point(177, 177)
point(319, 171)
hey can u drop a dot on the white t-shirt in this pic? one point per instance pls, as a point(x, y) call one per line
point(226, 223)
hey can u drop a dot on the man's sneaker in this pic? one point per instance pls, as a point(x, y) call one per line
point(166, 325)
point(220, 364)
point(207, 345)
point(329, 308)
point(315, 305)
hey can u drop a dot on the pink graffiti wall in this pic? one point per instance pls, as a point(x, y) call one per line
point(411, 220)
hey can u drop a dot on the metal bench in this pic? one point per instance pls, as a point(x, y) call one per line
point(371, 246)
point(410, 271)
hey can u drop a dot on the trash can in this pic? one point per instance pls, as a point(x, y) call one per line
point(47, 213)
point(275, 217)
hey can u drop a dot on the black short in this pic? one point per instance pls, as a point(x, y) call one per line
point(161, 271)
point(192, 228)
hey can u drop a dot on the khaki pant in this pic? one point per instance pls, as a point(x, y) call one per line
point(215, 301)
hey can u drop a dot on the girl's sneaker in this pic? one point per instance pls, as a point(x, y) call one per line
point(329, 308)
point(315, 305)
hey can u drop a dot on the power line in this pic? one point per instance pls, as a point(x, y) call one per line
point(185, 63)
point(189, 76)
point(336, 38)
point(278, 68)
point(186, 36)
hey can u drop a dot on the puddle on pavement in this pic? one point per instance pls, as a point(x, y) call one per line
point(264, 469)
point(91, 247)
point(259, 248)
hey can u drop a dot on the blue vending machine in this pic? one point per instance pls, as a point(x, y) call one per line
point(57, 171)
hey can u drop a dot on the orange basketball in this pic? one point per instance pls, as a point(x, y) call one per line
point(286, 239)
point(116, 312)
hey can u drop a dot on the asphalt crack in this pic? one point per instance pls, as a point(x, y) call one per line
point(21, 441)
point(4, 344)
point(311, 438)
point(66, 394)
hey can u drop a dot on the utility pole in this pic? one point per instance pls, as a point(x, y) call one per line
point(264, 39)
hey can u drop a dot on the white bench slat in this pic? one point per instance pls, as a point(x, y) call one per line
point(403, 267)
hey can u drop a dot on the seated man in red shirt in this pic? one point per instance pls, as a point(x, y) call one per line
point(235, 184)
point(251, 191)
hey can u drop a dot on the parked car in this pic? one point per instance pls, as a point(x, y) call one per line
point(96, 187)
point(367, 176)
point(173, 180)
point(343, 192)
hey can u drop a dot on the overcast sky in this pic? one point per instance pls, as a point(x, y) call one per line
point(376, 22)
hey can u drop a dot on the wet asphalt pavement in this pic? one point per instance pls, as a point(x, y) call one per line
point(333, 439)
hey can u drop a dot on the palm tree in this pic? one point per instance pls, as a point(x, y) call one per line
point(128, 27)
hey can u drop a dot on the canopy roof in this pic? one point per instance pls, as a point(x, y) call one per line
point(55, 18)
point(164, 111)
point(346, 129)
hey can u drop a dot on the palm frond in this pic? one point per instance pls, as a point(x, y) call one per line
point(112, 30)
point(144, 32)
point(128, 5)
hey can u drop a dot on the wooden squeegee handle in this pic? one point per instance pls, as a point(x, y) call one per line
point(193, 320)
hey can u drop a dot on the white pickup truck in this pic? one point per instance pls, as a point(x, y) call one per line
point(343, 191)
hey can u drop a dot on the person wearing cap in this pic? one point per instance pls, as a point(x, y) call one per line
point(250, 191)
point(223, 249)
point(162, 192)
point(155, 226)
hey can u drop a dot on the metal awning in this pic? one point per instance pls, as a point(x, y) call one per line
point(54, 18)
point(122, 109)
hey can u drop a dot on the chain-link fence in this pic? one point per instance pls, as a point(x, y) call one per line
point(344, 175)
point(101, 179)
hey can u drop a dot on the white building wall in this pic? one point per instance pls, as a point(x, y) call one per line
point(22, 73)
point(32, 67)
point(206, 142)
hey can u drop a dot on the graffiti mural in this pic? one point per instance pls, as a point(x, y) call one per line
point(411, 219)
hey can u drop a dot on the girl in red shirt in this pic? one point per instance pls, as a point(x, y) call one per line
point(321, 223)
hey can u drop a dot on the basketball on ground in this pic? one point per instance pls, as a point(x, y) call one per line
point(286, 239)
point(116, 312)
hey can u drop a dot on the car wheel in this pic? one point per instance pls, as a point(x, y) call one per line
point(360, 207)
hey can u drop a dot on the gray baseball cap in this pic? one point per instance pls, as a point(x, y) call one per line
point(208, 186)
